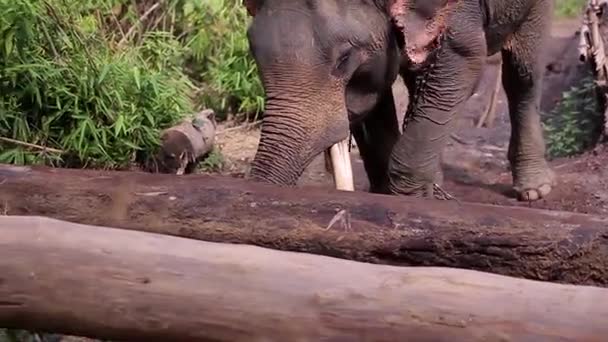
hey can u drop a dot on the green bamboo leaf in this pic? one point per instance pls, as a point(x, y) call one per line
point(103, 73)
point(137, 78)
point(131, 145)
point(119, 125)
point(81, 137)
point(8, 43)
point(104, 137)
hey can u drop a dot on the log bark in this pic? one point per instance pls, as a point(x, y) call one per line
point(516, 241)
point(184, 145)
point(125, 285)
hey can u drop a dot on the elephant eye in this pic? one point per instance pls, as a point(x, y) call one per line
point(342, 61)
point(348, 60)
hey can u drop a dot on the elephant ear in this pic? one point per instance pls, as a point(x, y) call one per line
point(420, 24)
point(252, 6)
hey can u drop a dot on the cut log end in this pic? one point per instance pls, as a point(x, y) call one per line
point(184, 145)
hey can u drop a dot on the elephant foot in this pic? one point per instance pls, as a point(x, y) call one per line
point(420, 185)
point(534, 184)
point(429, 190)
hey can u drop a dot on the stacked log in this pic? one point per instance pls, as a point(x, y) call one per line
point(514, 241)
point(126, 285)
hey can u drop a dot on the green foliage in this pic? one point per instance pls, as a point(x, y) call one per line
point(15, 335)
point(214, 161)
point(99, 79)
point(5, 336)
point(569, 8)
point(9, 336)
point(575, 123)
point(220, 57)
point(68, 88)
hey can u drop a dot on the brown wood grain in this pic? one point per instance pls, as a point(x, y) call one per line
point(535, 244)
point(135, 286)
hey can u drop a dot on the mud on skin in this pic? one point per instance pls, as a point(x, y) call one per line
point(327, 67)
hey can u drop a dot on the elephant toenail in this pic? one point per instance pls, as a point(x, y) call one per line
point(530, 195)
point(544, 190)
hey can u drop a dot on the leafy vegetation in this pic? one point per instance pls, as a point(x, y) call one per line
point(220, 50)
point(574, 124)
point(569, 8)
point(91, 83)
point(7, 335)
point(214, 162)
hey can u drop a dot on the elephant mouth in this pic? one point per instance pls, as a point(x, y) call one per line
point(288, 146)
point(337, 157)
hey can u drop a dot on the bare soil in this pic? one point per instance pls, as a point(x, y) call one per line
point(475, 164)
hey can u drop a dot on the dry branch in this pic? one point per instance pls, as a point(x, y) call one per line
point(134, 286)
point(516, 241)
point(592, 50)
point(489, 115)
point(30, 145)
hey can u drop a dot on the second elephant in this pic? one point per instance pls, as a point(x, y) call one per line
point(327, 67)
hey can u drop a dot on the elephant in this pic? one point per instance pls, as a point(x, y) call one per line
point(327, 67)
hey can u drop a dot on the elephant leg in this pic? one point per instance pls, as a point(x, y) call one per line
point(522, 77)
point(375, 137)
point(436, 96)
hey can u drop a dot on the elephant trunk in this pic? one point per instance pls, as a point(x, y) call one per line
point(299, 123)
point(283, 142)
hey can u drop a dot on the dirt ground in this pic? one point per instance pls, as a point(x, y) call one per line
point(475, 165)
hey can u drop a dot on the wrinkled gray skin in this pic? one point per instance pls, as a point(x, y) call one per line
point(327, 66)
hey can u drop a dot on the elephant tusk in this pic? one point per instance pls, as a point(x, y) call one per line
point(341, 166)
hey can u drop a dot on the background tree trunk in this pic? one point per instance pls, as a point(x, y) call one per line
point(535, 244)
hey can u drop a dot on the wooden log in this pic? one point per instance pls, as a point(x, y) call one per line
point(517, 241)
point(134, 286)
point(184, 145)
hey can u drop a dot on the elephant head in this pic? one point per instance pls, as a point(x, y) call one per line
point(322, 64)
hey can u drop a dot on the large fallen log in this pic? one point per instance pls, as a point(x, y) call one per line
point(521, 242)
point(128, 285)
